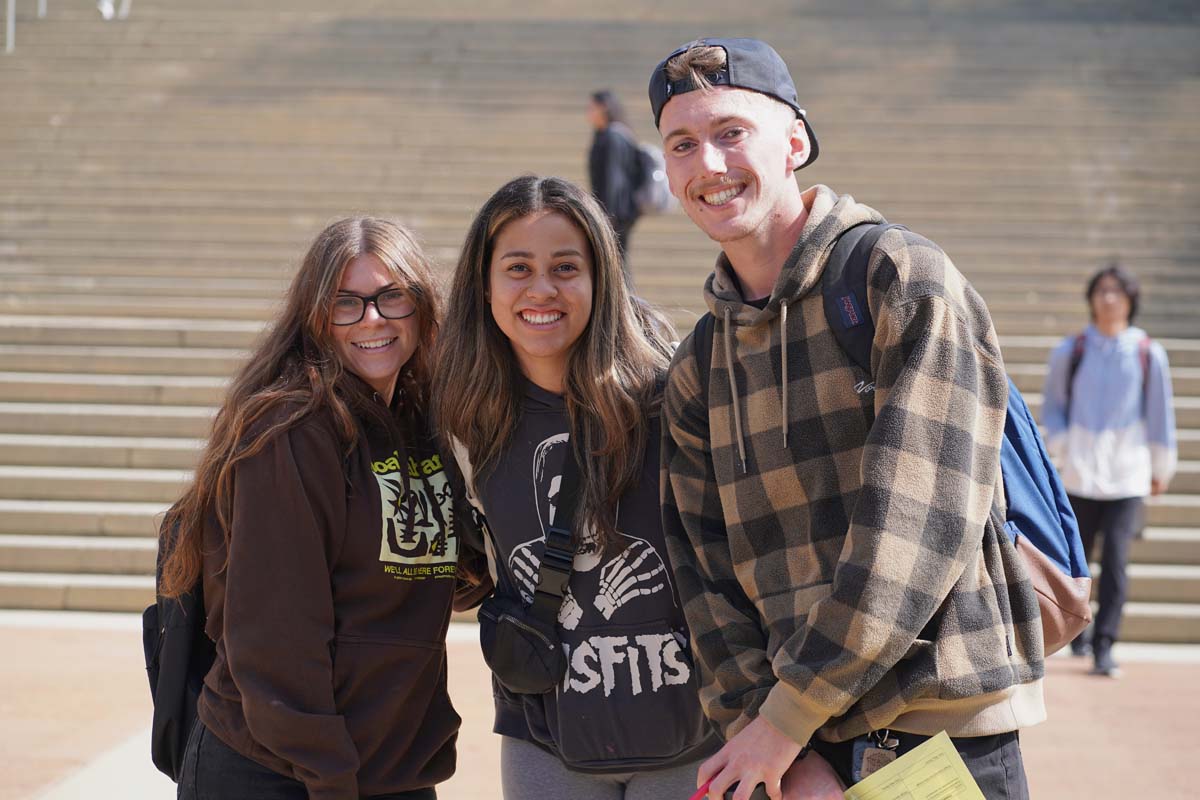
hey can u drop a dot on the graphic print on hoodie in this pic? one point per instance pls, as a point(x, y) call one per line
point(600, 587)
point(418, 540)
point(629, 696)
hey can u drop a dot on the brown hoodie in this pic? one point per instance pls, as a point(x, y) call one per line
point(330, 616)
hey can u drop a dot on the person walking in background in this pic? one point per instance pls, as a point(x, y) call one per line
point(614, 168)
point(321, 524)
point(547, 366)
point(1110, 427)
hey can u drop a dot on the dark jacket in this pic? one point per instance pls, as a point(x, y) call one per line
point(330, 614)
point(615, 170)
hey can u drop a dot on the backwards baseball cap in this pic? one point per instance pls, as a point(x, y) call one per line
point(749, 64)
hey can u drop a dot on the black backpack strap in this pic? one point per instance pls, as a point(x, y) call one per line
point(702, 343)
point(558, 556)
point(1077, 347)
point(1144, 360)
point(844, 290)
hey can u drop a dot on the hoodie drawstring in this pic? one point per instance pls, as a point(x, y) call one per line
point(735, 396)
point(783, 402)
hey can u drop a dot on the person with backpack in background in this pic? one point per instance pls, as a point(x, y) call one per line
point(1110, 427)
point(837, 532)
point(615, 167)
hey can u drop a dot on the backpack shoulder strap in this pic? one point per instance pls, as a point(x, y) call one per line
point(844, 290)
point(1077, 347)
point(1144, 360)
point(702, 343)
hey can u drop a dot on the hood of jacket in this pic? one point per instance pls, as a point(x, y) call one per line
point(829, 214)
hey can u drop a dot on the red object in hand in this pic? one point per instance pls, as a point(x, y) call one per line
point(702, 791)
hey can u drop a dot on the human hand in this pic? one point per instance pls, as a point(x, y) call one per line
point(760, 753)
point(812, 778)
point(1157, 486)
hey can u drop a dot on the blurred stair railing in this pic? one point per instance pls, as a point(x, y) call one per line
point(10, 23)
point(10, 17)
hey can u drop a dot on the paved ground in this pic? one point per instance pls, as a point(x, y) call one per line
point(74, 707)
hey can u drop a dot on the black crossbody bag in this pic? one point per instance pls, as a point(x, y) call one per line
point(520, 643)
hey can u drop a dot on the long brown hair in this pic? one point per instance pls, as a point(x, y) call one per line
point(295, 367)
point(613, 369)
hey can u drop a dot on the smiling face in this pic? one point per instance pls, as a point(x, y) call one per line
point(730, 155)
point(540, 292)
point(374, 348)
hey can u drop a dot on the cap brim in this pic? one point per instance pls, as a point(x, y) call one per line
point(814, 149)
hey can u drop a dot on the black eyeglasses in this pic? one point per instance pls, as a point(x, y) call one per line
point(390, 303)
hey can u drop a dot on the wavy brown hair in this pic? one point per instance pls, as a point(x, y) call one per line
point(295, 371)
point(613, 370)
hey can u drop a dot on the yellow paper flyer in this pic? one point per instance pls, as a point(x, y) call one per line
point(931, 771)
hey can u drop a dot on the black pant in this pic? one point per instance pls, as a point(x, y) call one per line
point(212, 770)
point(1120, 520)
point(993, 761)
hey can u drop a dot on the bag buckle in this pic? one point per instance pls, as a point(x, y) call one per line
point(557, 562)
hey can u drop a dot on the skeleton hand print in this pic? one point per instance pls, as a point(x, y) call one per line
point(570, 612)
point(638, 571)
point(525, 563)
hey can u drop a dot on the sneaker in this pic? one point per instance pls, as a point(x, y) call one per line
point(1105, 665)
point(1080, 646)
point(106, 8)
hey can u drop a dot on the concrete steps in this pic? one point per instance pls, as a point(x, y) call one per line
point(1165, 623)
point(91, 388)
point(1167, 546)
point(127, 331)
point(130, 452)
point(95, 419)
point(1163, 583)
point(163, 176)
point(79, 518)
point(178, 361)
point(107, 484)
point(83, 555)
point(75, 592)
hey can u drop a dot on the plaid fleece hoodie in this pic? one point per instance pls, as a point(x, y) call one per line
point(838, 550)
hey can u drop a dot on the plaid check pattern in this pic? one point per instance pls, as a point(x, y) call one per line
point(856, 577)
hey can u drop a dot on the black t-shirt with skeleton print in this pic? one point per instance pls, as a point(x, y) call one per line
point(629, 697)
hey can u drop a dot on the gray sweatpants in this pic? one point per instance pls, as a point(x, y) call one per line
point(527, 772)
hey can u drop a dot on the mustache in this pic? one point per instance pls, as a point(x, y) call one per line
point(717, 185)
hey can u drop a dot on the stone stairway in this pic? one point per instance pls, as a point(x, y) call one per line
point(162, 176)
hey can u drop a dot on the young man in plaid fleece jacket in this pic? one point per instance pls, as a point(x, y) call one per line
point(836, 535)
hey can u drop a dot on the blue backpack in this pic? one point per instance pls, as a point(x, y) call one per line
point(1039, 519)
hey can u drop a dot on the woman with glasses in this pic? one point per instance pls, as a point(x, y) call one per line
point(546, 359)
point(321, 526)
